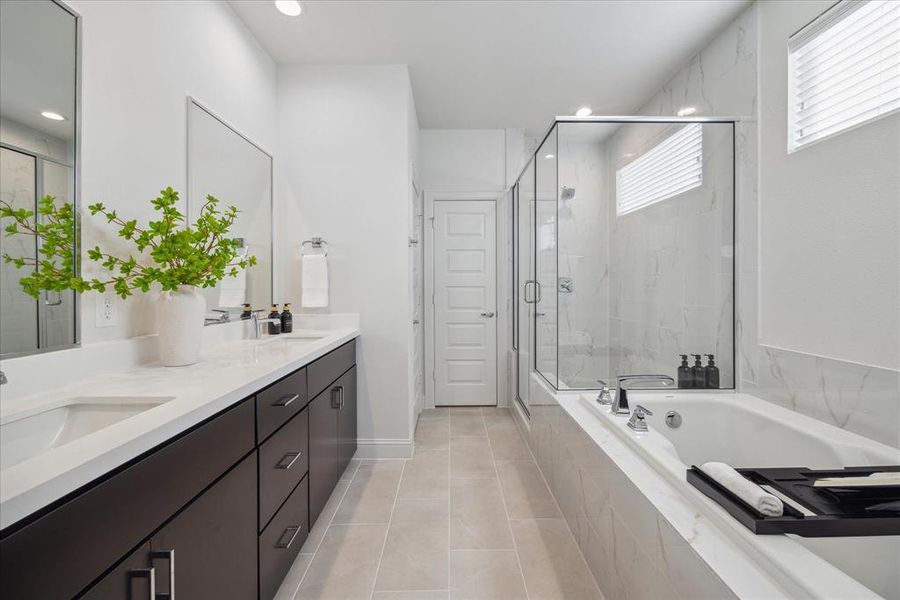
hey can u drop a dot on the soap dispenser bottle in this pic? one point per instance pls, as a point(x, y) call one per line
point(246, 312)
point(685, 378)
point(698, 375)
point(711, 372)
point(275, 323)
point(287, 319)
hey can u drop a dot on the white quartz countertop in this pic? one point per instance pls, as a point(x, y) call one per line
point(226, 374)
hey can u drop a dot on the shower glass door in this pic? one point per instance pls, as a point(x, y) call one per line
point(525, 285)
point(546, 232)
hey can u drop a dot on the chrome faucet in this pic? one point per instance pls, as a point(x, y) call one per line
point(637, 421)
point(257, 322)
point(3, 378)
point(624, 383)
point(224, 317)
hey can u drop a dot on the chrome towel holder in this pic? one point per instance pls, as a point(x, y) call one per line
point(315, 243)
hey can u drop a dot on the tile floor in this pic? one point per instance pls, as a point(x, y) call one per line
point(469, 517)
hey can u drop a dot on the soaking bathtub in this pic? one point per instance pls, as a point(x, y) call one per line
point(745, 431)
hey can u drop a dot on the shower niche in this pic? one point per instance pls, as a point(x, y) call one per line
point(623, 251)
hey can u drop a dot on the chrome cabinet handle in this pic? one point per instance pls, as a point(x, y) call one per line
point(149, 575)
point(487, 314)
point(337, 397)
point(285, 400)
point(168, 555)
point(291, 458)
point(293, 530)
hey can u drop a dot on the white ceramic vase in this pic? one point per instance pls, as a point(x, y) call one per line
point(180, 323)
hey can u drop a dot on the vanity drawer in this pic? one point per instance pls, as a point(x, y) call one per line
point(63, 551)
point(279, 402)
point(282, 539)
point(331, 366)
point(283, 461)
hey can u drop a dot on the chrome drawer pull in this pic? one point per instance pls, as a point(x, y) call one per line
point(168, 555)
point(293, 530)
point(149, 575)
point(285, 400)
point(337, 397)
point(291, 457)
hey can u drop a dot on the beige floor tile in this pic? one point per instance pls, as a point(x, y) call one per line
point(292, 580)
point(426, 475)
point(429, 595)
point(508, 445)
point(467, 425)
point(351, 469)
point(321, 525)
point(485, 575)
point(464, 410)
point(439, 412)
point(471, 457)
point(477, 517)
point(345, 565)
point(551, 562)
point(417, 547)
point(524, 491)
point(432, 434)
point(370, 497)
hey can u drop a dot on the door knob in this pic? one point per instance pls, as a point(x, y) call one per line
point(487, 314)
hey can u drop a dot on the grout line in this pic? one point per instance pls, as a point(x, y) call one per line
point(506, 510)
point(327, 527)
point(449, 515)
point(387, 531)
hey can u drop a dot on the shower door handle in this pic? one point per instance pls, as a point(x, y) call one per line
point(537, 292)
point(527, 283)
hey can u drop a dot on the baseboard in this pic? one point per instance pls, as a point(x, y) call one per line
point(384, 448)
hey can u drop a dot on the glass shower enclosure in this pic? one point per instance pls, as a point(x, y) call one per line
point(623, 251)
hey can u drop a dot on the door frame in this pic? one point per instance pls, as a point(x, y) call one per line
point(428, 267)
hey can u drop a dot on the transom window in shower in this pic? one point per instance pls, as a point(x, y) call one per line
point(844, 70)
point(668, 169)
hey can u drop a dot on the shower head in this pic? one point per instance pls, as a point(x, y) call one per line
point(567, 193)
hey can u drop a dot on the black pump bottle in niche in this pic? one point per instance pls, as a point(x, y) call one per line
point(685, 378)
point(711, 373)
point(697, 374)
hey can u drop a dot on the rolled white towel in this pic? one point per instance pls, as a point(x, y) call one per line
point(744, 489)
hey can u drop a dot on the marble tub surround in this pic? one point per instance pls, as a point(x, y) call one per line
point(442, 526)
point(227, 373)
point(626, 511)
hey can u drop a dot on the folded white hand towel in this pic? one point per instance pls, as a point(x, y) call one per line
point(315, 281)
point(744, 489)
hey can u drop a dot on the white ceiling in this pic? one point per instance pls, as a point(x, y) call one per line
point(501, 63)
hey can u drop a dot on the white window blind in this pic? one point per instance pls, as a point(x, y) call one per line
point(844, 69)
point(672, 167)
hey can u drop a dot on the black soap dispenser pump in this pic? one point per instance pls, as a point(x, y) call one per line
point(685, 378)
point(275, 323)
point(287, 319)
point(711, 373)
point(697, 373)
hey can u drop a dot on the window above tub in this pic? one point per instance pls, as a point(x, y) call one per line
point(844, 70)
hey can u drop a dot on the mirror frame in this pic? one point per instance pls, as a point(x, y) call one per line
point(76, 191)
point(192, 101)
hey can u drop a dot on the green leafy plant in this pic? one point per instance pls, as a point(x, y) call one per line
point(194, 255)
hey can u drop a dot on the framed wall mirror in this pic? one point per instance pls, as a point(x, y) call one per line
point(39, 154)
point(224, 163)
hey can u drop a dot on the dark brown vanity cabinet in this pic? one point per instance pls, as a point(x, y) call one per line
point(220, 511)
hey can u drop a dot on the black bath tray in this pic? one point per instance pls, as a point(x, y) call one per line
point(837, 513)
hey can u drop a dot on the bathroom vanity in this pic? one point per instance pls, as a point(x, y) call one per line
point(218, 509)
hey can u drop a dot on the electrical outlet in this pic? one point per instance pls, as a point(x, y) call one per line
point(107, 310)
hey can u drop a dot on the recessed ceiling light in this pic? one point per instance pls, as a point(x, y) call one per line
point(47, 114)
point(687, 111)
point(584, 111)
point(550, 156)
point(291, 8)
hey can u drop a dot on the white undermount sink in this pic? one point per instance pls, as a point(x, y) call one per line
point(307, 338)
point(33, 433)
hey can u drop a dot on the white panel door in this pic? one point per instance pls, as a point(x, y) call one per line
point(465, 303)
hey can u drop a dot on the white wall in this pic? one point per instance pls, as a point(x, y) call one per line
point(470, 160)
point(342, 173)
point(829, 222)
point(140, 62)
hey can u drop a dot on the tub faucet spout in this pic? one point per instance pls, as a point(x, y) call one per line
point(626, 382)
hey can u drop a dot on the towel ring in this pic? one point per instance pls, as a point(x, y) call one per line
point(316, 243)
